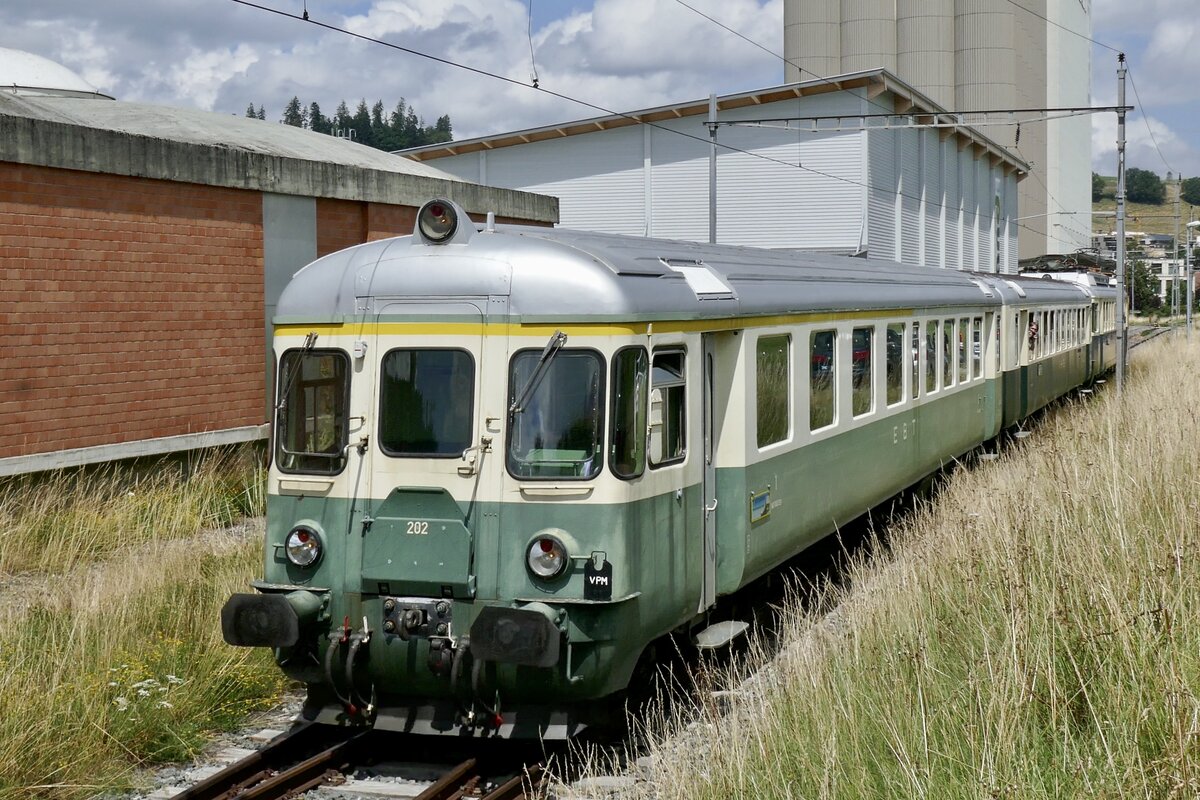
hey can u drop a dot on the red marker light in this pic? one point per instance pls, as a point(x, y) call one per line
point(546, 545)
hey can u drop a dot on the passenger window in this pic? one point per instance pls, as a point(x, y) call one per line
point(977, 347)
point(862, 399)
point(931, 360)
point(822, 396)
point(947, 353)
point(667, 408)
point(774, 389)
point(895, 363)
point(964, 328)
point(915, 354)
point(426, 399)
point(627, 445)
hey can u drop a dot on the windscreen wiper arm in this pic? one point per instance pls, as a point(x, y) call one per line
point(557, 340)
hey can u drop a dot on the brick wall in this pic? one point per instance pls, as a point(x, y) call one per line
point(132, 309)
point(342, 223)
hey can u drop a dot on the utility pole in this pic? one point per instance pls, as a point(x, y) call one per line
point(1175, 253)
point(1187, 271)
point(1122, 333)
point(712, 169)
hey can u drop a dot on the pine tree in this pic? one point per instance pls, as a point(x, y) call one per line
point(316, 120)
point(341, 120)
point(250, 112)
point(292, 114)
point(361, 123)
point(262, 112)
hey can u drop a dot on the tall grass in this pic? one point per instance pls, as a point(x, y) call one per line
point(70, 518)
point(1034, 633)
point(116, 660)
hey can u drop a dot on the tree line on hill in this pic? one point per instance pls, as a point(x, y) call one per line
point(1144, 186)
point(374, 127)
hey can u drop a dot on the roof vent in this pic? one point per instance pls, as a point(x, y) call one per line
point(702, 279)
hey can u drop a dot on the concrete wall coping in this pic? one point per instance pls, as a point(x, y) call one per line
point(47, 143)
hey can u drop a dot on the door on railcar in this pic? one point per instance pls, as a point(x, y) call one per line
point(709, 479)
point(425, 470)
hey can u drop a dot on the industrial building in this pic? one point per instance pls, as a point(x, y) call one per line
point(142, 250)
point(938, 196)
point(970, 55)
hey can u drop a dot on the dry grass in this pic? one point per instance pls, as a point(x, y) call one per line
point(1035, 634)
point(116, 660)
point(71, 518)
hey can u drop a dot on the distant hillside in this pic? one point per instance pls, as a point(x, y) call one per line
point(1140, 216)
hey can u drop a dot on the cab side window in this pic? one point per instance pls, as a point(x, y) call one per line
point(668, 410)
point(630, 391)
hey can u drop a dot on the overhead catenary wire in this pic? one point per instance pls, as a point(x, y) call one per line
point(632, 117)
point(1064, 27)
point(1146, 119)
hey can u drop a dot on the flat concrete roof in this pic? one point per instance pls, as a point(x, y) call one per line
point(193, 146)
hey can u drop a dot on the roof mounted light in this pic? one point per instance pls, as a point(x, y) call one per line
point(437, 221)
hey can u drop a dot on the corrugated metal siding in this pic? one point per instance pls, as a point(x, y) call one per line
point(953, 204)
point(881, 201)
point(803, 206)
point(985, 190)
point(910, 199)
point(465, 166)
point(931, 172)
point(597, 178)
point(679, 183)
point(966, 172)
point(805, 189)
point(1010, 214)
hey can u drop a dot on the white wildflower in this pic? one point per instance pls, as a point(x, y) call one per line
point(143, 693)
point(121, 703)
point(164, 704)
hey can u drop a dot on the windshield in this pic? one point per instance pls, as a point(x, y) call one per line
point(425, 402)
point(311, 421)
point(557, 431)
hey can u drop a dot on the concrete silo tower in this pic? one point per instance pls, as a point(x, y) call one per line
point(969, 55)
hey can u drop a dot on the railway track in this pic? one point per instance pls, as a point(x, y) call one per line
point(310, 756)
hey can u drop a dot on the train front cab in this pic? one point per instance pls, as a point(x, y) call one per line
point(505, 514)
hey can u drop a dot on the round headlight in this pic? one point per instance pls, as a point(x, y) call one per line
point(303, 546)
point(437, 220)
point(547, 557)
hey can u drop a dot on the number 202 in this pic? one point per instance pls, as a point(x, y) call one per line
point(418, 528)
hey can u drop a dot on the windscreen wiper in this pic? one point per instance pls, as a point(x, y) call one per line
point(557, 340)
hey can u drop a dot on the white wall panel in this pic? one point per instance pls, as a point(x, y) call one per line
point(881, 200)
point(465, 166)
point(952, 201)
point(597, 178)
point(910, 198)
point(931, 179)
point(970, 202)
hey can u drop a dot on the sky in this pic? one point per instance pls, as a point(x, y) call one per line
point(617, 55)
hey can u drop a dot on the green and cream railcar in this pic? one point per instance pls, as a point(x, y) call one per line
point(508, 460)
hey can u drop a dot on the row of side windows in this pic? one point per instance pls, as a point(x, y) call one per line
point(948, 352)
point(1052, 331)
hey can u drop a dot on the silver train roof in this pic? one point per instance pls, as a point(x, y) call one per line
point(553, 274)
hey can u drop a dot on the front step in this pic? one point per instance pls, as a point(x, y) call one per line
point(720, 634)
